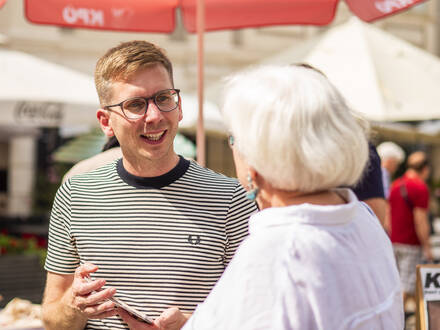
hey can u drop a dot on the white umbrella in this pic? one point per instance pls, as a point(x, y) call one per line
point(36, 92)
point(381, 76)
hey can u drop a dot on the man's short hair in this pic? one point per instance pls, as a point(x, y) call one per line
point(387, 150)
point(120, 63)
point(417, 161)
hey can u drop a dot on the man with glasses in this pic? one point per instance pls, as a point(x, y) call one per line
point(152, 229)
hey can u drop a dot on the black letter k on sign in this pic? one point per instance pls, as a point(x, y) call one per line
point(430, 279)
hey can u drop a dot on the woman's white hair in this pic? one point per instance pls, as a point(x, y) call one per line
point(293, 126)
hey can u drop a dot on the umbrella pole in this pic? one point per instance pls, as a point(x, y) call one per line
point(200, 137)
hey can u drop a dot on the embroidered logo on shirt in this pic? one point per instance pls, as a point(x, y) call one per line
point(194, 239)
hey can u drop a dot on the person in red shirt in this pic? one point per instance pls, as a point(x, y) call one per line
point(408, 200)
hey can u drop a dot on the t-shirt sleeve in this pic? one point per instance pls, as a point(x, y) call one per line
point(237, 219)
point(421, 197)
point(62, 257)
point(370, 184)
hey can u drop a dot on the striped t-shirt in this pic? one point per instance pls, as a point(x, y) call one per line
point(161, 242)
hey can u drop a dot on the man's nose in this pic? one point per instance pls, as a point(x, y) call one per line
point(153, 112)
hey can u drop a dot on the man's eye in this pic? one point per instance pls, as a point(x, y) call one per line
point(132, 105)
point(163, 98)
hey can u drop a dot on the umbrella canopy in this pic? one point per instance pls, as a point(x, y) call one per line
point(381, 76)
point(159, 15)
point(35, 92)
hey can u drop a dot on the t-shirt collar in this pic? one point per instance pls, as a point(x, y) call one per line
point(153, 182)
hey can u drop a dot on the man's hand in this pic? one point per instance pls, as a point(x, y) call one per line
point(427, 253)
point(87, 296)
point(170, 319)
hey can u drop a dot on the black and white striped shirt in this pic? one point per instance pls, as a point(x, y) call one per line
point(161, 241)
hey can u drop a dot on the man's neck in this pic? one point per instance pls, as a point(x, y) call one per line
point(412, 174)
point(147, 168)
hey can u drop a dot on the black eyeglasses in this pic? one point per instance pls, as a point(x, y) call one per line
point(166, 100)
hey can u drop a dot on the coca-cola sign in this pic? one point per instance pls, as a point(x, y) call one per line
point(39, 113)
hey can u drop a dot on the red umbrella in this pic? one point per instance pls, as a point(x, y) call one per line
point(200, 16)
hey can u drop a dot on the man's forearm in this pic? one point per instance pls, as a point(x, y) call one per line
point(423, 238)
point(422, 226)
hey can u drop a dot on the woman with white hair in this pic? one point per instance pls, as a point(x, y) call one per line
point(316, 257)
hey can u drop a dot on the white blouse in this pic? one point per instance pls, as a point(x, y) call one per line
point(308, 267)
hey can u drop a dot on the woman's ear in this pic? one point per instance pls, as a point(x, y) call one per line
point(104, 120)
point(253, 174)
point(257, 179)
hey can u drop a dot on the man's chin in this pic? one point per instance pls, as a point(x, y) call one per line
point(157, 155)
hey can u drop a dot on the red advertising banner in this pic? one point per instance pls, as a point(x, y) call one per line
point(119, 15)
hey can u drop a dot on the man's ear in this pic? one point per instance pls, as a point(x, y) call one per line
point(180, 110)
point(104, 120)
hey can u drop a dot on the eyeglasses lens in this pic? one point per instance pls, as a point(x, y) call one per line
point(167, 100)
point(134, 108)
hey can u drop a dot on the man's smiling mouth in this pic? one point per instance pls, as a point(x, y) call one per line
point(154, 137)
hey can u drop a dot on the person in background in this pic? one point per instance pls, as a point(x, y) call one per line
point(316, 257)
point(391, 156)
point(369, 188)
point(153, 229)
point(410, 229)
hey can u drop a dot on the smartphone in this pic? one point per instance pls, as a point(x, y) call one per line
point(130, 310)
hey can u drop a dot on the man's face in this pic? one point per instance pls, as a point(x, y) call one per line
point(393, 165)
point(150, 137)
